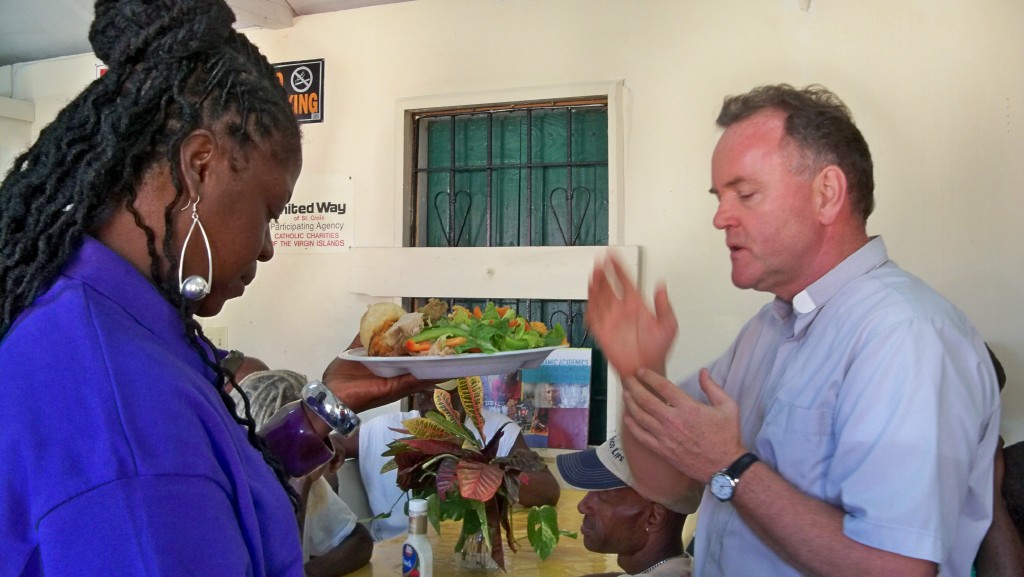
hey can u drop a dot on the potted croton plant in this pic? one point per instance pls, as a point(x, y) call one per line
point(462, 478)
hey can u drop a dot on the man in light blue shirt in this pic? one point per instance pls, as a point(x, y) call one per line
point(851, 426)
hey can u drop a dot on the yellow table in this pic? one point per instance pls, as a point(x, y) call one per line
point(569, 559)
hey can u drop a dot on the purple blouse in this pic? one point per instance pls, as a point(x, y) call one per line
point(118, 456)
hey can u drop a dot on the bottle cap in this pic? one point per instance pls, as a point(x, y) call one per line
point(417, 506)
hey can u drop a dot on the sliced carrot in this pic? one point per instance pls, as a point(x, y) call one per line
point(456, 341)
point(414, 347)
point(477, 313)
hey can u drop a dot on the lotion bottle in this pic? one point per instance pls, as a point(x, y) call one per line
point(417, 556)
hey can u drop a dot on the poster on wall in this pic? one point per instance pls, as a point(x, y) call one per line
point(317, 218)
point(551, 404)
point(303, 80)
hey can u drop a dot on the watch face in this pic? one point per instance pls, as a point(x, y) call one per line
point(722, 486)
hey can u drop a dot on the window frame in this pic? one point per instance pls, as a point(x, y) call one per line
point(535, 272)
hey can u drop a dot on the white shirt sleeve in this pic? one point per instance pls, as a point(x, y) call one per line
point(382, 490)
point(329, 521)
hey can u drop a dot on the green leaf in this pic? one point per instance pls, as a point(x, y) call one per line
point(434, 512)
point(424, 428)
point(443, 402)
point(471, 393)
point(555, 336)
point(481, 516)
point(457, 429)
point(471, 523)
point(441, 330)
point(542, 530)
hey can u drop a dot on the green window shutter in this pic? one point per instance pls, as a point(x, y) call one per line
point(519, 176)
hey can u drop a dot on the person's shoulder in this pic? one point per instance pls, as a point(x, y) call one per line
point(32, 338)
point(1015, 451)
point(489, 415)
point(889, 295)
point(494, 421)
point(890, 282)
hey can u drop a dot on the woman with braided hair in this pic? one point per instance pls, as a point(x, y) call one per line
point(147, 201)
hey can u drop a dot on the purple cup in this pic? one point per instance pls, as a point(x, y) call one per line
point(292, 437)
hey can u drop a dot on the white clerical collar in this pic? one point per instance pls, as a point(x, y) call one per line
point(803, 303)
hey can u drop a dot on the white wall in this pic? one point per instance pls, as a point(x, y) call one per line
point(934, 86)
point(15, 136)
point(16, 117)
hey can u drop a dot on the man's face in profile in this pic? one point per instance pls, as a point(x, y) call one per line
point(614, 521)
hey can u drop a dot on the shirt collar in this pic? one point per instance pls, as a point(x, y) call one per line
point(867, 258)
point(109, 274)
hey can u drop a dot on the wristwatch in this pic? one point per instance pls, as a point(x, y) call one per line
point(723, 483)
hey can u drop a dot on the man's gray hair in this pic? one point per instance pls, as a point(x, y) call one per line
point(821, 127)
point(268, 391)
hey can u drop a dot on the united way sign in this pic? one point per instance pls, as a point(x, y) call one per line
point(304, 83)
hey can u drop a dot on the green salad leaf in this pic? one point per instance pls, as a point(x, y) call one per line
point(495, 329)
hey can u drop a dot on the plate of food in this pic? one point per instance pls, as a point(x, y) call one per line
point(451, 366)
point(433, 343)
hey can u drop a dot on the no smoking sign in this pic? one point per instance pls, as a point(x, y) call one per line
point(304, 83)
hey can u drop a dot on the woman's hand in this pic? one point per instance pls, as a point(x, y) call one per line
point(360, 389)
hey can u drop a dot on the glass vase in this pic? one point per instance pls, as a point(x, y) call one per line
point(475, 555)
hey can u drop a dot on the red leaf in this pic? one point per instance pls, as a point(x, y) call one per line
point(409, 466)
point(497, 513)
point(445, 477)
point(478, 481)
point(431, 447)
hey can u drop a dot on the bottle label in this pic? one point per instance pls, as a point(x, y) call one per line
point(410, 561)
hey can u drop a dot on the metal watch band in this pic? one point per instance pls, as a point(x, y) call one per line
point(740, 465)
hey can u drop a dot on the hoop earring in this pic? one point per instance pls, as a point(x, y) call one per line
point(195, 288)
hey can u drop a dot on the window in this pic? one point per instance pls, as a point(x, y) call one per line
point(528, 174)
point(507, 238)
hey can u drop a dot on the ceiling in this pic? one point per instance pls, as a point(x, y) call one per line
point(40, 29)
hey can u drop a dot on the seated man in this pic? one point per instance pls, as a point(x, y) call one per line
point(1002, 550)
point(382, 490)
point(332, 541)
point(1013, 485)
point(646, 536)
point(240, 365)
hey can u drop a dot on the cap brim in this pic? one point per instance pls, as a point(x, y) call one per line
point(584, 470)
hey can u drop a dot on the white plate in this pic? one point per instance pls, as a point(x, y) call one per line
point(451, 366)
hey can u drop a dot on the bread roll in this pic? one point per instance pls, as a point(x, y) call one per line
point(376, 317)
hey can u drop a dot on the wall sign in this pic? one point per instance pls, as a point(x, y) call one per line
point(304, 82)
point(317, 218)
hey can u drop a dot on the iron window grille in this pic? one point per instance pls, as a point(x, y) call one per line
point(524, 174)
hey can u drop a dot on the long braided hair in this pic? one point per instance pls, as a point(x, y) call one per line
point(174, 66)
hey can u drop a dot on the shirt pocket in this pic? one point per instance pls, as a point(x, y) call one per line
point(799, 443)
